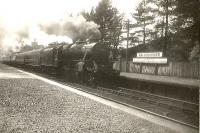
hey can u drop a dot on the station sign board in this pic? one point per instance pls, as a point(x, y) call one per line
point(150, 60)
point(150, 55)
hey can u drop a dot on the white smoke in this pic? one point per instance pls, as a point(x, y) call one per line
point(66, 29)
point(75, 27)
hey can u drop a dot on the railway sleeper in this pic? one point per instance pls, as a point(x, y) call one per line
point(152, 100)
point(156, 101)
point(190, 112)
point(185, 107)
point(170, 102)
point(149, 100)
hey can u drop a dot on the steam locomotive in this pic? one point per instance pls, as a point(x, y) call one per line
point(62, 59)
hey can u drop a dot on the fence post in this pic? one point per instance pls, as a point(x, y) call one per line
point(140, 67)
point(156, 69)
point(199, 70)
point(120, 64)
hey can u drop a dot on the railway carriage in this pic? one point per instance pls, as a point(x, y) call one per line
point(19, 59)
point(32, 58)
point(6, 59)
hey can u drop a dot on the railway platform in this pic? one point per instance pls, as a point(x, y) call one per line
point(30, 103)
point(162, 79)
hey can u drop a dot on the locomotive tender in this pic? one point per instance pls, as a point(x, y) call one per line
point(62, 59)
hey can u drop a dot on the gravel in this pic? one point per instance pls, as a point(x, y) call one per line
point(33, 106)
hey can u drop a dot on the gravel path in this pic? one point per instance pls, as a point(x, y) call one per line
point(32, 106)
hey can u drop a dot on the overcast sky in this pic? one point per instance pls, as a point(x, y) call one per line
point(18, 12)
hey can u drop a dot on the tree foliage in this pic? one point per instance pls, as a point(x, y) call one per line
point(34, 45)
point(109, 21)
point(174, 27)
point(187, 25)
point(144, 17)
point(171, 26)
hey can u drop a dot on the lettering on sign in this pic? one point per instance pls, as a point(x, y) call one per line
point(150, 60)
point(154, 54)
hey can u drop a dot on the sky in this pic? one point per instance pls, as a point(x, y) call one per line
point(16, 12)
point(17, 16)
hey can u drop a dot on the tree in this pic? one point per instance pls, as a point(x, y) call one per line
point(176, 27)
point(144, 18)
point(34, 45)
point(164, 12)
point(188, 25)
point(109, 21)
point(89, 16)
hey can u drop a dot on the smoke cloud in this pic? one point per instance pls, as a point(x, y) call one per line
point(77, 28)
point(67, 29)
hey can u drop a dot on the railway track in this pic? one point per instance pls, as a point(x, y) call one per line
point(168, 102)
point(182, 112)
point(111, 94)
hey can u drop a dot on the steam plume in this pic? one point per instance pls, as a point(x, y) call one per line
point(75, 27)
point(67, 29)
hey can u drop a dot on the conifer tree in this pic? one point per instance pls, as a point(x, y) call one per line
point(144, 18)
point(109, 21)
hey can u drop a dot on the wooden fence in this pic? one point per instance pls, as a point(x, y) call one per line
point(176, 69)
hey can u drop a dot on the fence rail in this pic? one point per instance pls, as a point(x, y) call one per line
point(175, 69)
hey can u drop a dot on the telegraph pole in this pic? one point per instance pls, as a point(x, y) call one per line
point(199, 40)
point(199, 27)
point(166, 28)
point(128, 23)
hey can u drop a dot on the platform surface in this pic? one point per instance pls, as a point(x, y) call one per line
point(29, 103)
point(162, 79)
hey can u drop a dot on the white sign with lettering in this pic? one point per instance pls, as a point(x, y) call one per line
point(153, 54)
point(150, 60)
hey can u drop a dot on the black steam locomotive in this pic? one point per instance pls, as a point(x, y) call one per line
point(63, 59)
